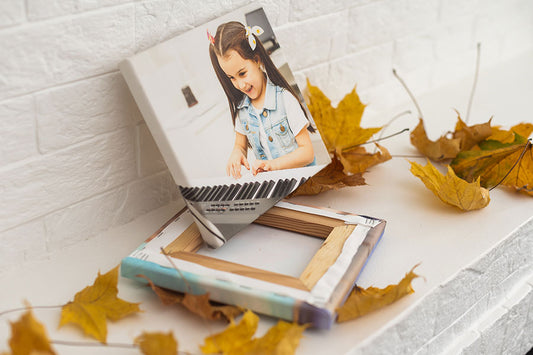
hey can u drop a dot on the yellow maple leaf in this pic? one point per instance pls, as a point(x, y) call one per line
point(362, 301)
point(28, 336)
point(469, 136)
point(339, 127)
point(508, 136)
point(94, 304)
point(451, 189)
point(157, 343)
point(233, 337)
point(281, 339)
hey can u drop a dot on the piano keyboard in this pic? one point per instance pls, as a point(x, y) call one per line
point(223, 210)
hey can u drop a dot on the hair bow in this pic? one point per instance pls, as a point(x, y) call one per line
point(251, 39)
point(210, 38)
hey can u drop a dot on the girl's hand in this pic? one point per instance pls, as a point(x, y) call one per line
point(236, 159)
point(260, 166)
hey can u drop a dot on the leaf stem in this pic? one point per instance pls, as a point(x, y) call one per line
point(189, 288)
point(471, 99)
point(20, 309)
point(376, 140)
point(88, 343)
point(514, 165)
point(408, 92)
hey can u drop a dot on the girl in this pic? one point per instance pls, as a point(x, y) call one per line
point(265, 112)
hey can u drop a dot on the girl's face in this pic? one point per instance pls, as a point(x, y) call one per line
point(245, 74)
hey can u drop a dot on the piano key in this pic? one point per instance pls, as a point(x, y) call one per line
point(288, 188)
point(269, 188)
point(253, 190)
point(191, 193)
point(224, 197)
point(241, 191)
point(261, 189)
point(234, 192)
point(212, 193)
point(204, 193)
point(184, 190)
point(277, 188)
point(220, 193)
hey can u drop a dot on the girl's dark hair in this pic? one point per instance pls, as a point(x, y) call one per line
point(232, 35)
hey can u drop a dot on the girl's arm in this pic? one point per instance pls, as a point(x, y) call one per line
point(238, 156)
point(302, 156)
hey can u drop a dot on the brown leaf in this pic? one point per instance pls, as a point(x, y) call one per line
point(93, 304)
point(157, 343)
point(233, 337)
point(508, 136)
point(29, 336)
point(332, 177)
point(362, 301)
point(198, 304)
point(450, 189)
point(358, 160)
point(469, 136)
point(443, 148)
point(339, 127)
point(511, 164)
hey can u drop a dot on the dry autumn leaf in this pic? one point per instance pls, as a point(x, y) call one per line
point(452, 189)
point(358, 160)
point(510, 164)
point(339, 127)
point(362, 301)
point(28, 336)
point(332, 177)
point(94, 304)
point(233, 337)
point(508, 136)
point(157, 343)
point(463, 138)
point(198, 304)
point(283, 339)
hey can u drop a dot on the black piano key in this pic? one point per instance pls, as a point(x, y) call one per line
point(191, 193)
point(288, 188)
point(261, 189)
point(212, 193)
point(204, 193)
point(184, 190)
point(234, 191)
point(268, 189)
point(241, 191)
point(279, 185)
point(220, 193)
point(283, 187)
point(253, 190)
point(227, 193)
point(198, 193)
point(302, 181)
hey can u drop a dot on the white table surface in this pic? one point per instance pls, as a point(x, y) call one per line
point(420, 229)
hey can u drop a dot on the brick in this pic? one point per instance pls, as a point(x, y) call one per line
point(316, 41)
point(53, 181)
point(384, 21)
point(82, 110)
point(302, 10)
point(82, 220)
point(412, 52)
point(11, 12)
point(46, 54)
point(278, 12)
point(40, 9)
point(159, 20)
point(22, 243)
point(454, 39)
point(150, 159)
point(517, 335)
point(451, 10)
point(17, 129)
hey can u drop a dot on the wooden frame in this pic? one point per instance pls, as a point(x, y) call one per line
point(333, 231)
point(312, 297)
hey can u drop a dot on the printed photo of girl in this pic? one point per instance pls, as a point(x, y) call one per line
point(266, 113)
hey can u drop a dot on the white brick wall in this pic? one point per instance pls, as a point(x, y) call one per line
point(77, 157)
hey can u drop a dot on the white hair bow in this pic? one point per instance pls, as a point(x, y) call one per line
point(251, 39)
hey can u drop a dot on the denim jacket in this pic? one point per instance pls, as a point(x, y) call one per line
point(280, 137)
